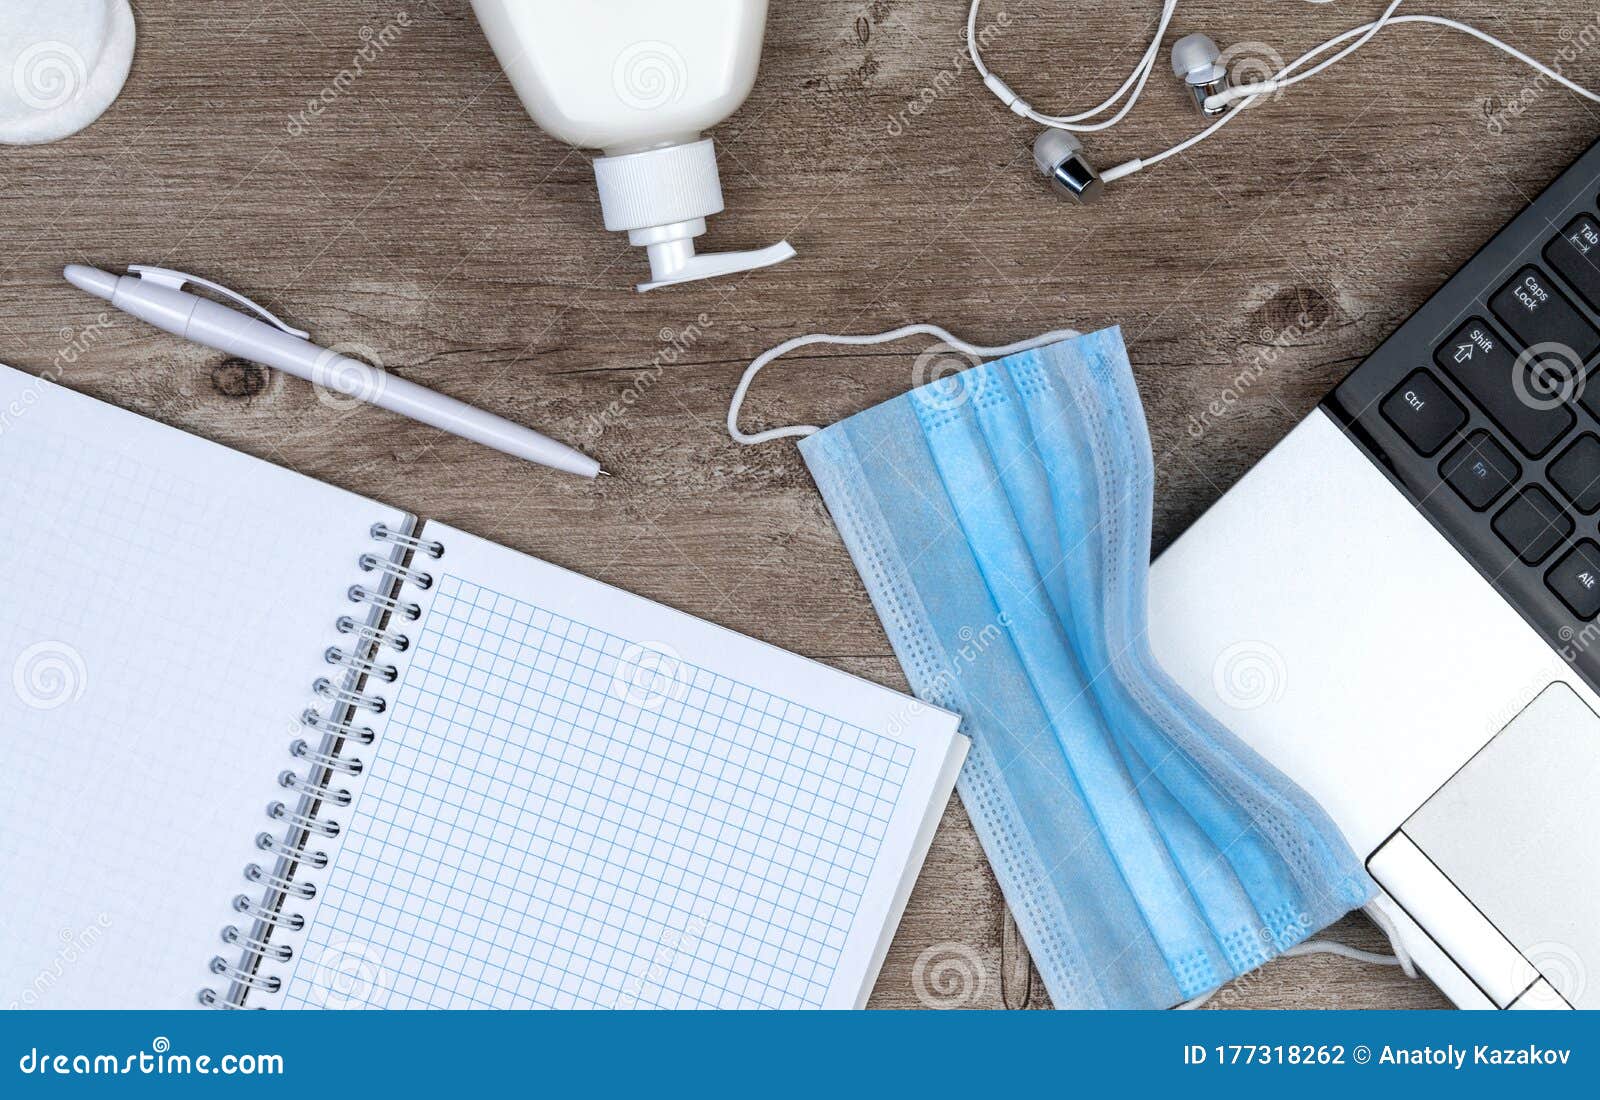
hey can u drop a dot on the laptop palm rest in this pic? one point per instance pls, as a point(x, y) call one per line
point(1516, 831)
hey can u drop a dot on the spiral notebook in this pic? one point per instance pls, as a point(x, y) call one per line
point(270, 744)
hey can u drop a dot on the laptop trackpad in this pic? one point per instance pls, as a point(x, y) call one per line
point(1517, 830)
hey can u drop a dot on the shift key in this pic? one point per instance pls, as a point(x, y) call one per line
point(1486, 368)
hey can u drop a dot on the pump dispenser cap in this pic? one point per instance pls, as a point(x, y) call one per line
point(661, 199)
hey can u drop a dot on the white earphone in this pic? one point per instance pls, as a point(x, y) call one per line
point(1197, 62)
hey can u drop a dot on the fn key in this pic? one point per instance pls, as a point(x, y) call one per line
point(1421, 411)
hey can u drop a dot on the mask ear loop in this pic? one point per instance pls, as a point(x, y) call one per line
point(1401, 957)
point(800, 431)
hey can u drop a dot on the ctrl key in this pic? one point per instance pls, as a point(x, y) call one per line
point(1423, 412)
point(1576, 579)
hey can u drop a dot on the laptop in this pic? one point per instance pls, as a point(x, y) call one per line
point(1399, 606)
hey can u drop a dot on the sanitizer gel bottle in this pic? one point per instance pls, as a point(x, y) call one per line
point(640, 80)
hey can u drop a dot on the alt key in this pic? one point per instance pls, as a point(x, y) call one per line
point(1576, 579)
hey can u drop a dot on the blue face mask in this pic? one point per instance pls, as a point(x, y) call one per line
point(1000, 518)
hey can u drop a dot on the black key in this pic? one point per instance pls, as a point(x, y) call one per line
point(1533, 524)
point(1576, 472)
point(1538, 314)
point(1480, 470)
point(1423, 412)
point(1575, 255)
point(1590, 398)
point(1576, 579)
point(1485, 367)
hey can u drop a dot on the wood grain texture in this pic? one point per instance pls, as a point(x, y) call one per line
point(422, 218)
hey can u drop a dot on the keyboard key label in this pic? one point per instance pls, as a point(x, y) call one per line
point(1473, 340)
point(1575, 256)
point(1537, 314)
point(1583, 238)
point(1480, 470)
point(1531, 293)
point(1423, 412)
point(1479, 361)
point(1576, 579)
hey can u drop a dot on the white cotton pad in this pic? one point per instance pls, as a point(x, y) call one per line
point(62, 63)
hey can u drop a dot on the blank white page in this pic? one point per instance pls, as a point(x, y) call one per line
point(166, 604)
point(582, 799)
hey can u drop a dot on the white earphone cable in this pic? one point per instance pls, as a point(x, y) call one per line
point(1364, 33)
point(1287, 77)
point(799, 431)
point(1076, 123)
point(1277, 81)
point(1387, 19)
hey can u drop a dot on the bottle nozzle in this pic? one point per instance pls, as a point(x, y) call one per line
point(661, 199)
point(677, 262)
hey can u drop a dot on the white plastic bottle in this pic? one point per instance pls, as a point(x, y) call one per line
point(641, 80)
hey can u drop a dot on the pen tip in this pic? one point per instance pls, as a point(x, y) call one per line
point(102, 284)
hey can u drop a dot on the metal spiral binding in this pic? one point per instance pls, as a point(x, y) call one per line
point(318, 787)
point(292, 921)
point(408, 611)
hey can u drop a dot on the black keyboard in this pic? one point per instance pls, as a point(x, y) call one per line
point(1484, 408)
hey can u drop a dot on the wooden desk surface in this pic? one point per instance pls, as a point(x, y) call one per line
point(421, 219)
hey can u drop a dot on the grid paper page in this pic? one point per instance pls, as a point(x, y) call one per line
point(165, 610)
point(563, 814)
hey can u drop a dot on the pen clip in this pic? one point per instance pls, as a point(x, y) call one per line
point(175, 280)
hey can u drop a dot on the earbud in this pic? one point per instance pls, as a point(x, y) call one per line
point(1196, 61)
point(1059, 157)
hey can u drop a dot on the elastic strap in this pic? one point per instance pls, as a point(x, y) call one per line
point(800, 431)
point(1401, 957)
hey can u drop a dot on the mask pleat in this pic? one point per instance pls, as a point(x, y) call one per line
point(1077, 423)
point(1003, 405)
point(1001, 521)
point(1311, 865)
point(972, 480)
point(914, 559)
